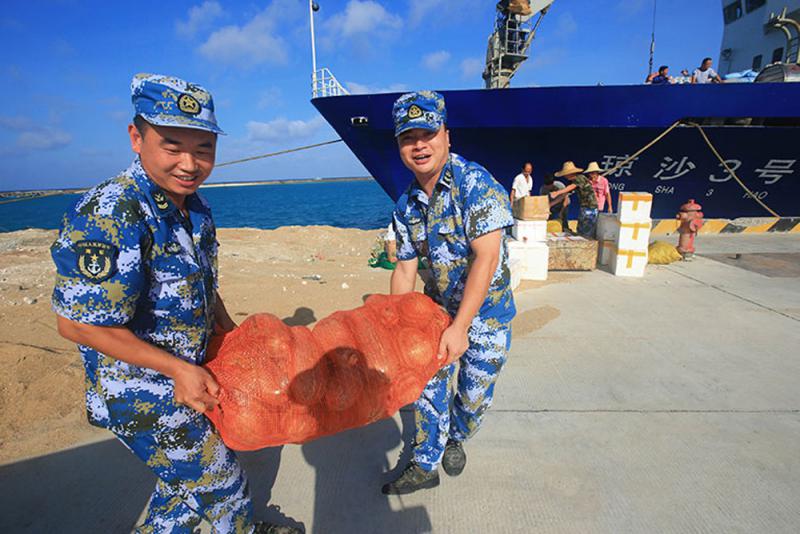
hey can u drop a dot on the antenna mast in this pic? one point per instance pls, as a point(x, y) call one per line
point(652, 40)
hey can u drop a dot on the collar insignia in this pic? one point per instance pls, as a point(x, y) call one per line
point(161, 200)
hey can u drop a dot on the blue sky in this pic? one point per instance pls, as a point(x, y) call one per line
point(66, 66)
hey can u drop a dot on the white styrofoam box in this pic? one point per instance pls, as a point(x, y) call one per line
point(516, 268)
point(634, 235)
point(628, 262)
point(634, 207)
point(607, 227)
point(533, 257)
point(605, 250)
point(529, 231)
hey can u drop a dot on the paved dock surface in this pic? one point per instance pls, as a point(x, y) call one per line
point(664, 404)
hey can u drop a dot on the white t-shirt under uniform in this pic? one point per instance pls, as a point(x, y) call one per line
point(522, 186)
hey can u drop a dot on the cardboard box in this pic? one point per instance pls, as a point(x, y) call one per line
point(629, 262)
point(532, 208)
point(634, 207)
point(605, 250)
point(533, 258)
point(529, 231)
point(571, 253)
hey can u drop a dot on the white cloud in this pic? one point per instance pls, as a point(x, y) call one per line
point(282, 129)
point(362, 17)
point(436, 60)
point(361, 89)
point(201, 17)
point(566, 25)
point(271, 97)
point(253, 43)
point(471, 67)
point(419, 9)
point(33, 136)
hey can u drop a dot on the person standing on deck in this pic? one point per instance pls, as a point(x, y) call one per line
point(136, 288)
point(587, 214)
point(523, 183)
point(453, 213)
point(705, 74)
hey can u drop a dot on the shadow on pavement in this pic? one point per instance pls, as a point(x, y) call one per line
point(350, 469)
point(100, 487)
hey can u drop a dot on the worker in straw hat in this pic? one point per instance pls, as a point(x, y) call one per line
point(587, 214)
point(136, 288)
point(602, 191)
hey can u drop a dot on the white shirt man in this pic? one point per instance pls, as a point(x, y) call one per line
point(523, 183)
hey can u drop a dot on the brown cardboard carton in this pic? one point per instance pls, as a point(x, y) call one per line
point(532, 208)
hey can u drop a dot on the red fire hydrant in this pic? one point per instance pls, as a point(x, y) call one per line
point(691, 220)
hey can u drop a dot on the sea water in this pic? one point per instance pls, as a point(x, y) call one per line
point(347, 204)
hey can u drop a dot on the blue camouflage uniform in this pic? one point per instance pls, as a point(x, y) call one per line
point(127, 256)
point(466, 203)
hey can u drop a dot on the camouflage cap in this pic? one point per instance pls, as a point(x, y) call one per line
point(169, 101)
point(422, 109)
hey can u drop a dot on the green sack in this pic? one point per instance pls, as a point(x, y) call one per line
point(381, 262)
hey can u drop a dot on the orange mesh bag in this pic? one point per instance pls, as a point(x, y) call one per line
point(282, 384)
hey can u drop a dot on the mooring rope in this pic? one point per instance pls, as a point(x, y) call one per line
point(269, 155)
point(714, 150)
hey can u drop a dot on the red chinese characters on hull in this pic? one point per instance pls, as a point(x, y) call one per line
point(282, 384)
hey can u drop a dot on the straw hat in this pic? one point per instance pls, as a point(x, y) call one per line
point(593, 167)
point(567, 169)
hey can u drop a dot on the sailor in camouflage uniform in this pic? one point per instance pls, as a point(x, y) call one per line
point(136, 288)
point(453, 214)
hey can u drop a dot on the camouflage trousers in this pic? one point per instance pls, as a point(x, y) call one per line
point(453, 403)
point(199, 478)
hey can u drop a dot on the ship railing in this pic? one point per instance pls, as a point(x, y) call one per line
point(324, 84)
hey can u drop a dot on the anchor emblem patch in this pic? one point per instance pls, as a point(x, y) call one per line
point(188, 104)
point(96, 260)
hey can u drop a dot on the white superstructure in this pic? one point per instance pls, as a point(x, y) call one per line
point(749, 41)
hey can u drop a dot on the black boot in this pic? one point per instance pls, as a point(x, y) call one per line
point(412, 479)
point(454, 458)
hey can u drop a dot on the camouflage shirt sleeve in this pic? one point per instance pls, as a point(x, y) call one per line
point(486, 205)
point(99, 272)
point(405, 248)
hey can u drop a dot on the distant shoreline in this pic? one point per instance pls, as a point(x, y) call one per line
point(14, 196)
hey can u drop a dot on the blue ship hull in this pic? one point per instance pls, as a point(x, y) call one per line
point(501, 129)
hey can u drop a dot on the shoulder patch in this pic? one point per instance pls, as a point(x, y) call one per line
point(96, 259)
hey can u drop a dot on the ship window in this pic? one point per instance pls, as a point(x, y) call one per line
point(732, 11)
point(752, 5)
point(757, 62)
point(777, 55)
